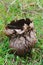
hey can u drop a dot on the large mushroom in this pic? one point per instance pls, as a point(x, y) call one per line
point(22, 36)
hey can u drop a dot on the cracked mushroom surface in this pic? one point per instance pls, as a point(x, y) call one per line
point(22, 36)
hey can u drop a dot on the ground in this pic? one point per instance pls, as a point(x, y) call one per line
point(18, 9)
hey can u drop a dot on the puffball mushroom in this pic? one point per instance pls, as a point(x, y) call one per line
point(22, 36)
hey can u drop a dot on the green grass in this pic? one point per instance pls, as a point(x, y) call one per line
point(21, 9)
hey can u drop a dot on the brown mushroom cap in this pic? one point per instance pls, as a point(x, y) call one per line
point(23, 36)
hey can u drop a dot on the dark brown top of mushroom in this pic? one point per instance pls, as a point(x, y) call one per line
point(18, 24)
